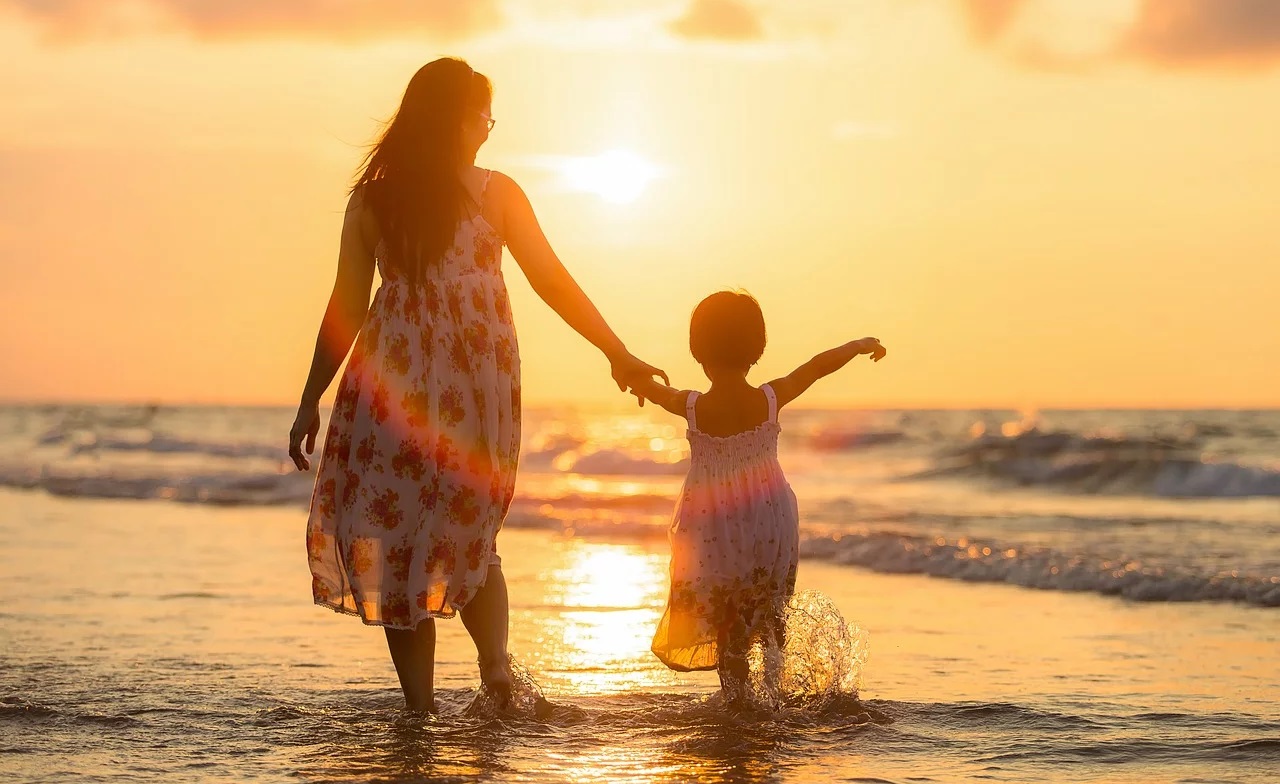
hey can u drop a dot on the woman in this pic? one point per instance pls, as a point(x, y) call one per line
point(419, 461)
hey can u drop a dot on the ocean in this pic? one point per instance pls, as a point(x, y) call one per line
point(993, 595)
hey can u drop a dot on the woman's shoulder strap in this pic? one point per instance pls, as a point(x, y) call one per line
point(485, 176)
point(689, 412)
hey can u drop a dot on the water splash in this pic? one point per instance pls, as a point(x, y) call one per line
point(527, 699)
point(821, 657)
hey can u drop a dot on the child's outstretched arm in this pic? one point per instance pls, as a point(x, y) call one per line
point(672, 400)
point(792, 385)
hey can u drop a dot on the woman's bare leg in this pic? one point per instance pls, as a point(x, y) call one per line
point(413, 652)
point(486, 618)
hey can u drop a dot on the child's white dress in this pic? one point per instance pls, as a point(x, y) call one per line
point(734, 543)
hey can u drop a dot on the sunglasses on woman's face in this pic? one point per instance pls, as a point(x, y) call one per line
point(489, 122)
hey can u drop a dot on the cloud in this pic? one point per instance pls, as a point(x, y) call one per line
point(1168, 33)
point(329, 19)
point(728, 25)
point(1188, 31)
point(721, 20)
point(987, 19)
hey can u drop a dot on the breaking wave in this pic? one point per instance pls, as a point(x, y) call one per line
point(1042, 568)
point(1097, 464)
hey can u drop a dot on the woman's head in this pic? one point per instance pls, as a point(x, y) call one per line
point(440, 111)
point(411, 177)
point(727, 331)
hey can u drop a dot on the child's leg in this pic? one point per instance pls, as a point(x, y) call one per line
point(733, 672)
point(413, 652)
point(734, 642)
point(779, 621)
point(774, 634)
point(733, 665)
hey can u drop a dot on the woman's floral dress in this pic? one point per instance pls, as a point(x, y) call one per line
point(419, 461)
point(735, 544)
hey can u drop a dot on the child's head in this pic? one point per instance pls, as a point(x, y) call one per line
point(727, 331)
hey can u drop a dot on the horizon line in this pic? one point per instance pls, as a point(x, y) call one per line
point(628, 404)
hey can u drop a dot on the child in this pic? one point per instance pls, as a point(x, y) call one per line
point(735, 531)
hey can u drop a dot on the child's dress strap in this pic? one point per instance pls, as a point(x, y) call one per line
point(773, 402)
point(689, 412)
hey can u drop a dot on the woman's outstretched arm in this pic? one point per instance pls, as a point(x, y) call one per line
point(792, 385)
point(553, 283)
point(343, 318)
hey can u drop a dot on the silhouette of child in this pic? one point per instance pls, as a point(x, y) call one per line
point(735, 530)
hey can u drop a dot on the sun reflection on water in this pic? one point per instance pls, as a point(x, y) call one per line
point(612, 595)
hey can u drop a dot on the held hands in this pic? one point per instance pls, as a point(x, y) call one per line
point(628, 371)
point(869, 346)
point(306, 425)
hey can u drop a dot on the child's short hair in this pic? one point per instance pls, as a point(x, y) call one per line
point(727, 330)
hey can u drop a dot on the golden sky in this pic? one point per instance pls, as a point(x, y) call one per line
point(1033, 203)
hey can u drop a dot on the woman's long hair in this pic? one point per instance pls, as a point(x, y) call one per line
point(410, 178)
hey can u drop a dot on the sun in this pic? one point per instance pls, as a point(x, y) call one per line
point(617, 176)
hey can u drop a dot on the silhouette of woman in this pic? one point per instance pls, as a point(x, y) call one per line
point(419, 461)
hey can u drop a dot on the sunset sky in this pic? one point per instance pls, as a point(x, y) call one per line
point(1032, 203)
